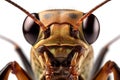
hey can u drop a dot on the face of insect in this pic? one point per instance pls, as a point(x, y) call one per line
point(59, 51)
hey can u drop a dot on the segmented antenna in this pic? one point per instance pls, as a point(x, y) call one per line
point(89, 13)
point(26, 12)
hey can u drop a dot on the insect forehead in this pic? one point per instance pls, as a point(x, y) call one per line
point(49, 17)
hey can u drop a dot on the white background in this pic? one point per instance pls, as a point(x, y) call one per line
point(11, 20)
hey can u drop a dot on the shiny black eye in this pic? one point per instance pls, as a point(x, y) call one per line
point(91, 28)
point(31, 29)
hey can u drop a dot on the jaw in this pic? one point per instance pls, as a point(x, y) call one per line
point(61, 62)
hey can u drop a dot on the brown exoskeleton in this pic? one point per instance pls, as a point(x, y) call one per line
point(61, 47)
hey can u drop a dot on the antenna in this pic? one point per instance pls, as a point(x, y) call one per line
point(26, 12)
point(89, 13)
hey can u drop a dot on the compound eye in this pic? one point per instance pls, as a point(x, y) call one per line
point(31, 29)
point(91, 28)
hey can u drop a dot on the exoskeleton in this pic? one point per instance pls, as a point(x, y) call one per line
point(61, 47)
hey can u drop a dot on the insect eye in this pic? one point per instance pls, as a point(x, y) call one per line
point(31, 29)
point(91, 28)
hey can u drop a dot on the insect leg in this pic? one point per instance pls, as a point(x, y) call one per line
point(15, 69)
point(106, 70)
point(101, 56)
point(25, 61)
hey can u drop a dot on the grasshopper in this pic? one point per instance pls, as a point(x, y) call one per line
point(61, 47)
